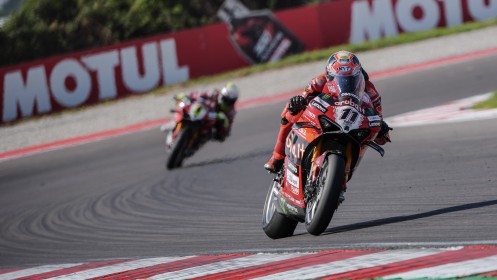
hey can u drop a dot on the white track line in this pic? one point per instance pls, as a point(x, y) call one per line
point(455, 111)
point(35, 270)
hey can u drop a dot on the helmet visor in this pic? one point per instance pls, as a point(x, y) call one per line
point(350, 86)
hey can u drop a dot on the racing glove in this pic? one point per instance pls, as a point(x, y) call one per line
point(296, 104)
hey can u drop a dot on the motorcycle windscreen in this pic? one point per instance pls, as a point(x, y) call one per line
point(350, 87)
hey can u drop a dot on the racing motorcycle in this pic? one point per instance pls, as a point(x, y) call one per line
point(323, 149)
point(192, 127)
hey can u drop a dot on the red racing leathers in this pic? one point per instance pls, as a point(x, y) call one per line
point(315, 87)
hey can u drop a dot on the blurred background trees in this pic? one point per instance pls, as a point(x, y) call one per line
point(9, 6)
point(41, 28)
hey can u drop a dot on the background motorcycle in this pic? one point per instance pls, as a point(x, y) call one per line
point(192, 127)
point(322, 151)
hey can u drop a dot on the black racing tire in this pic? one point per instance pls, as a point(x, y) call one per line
point(176, 153)
point(320, 209)
point(274, 224)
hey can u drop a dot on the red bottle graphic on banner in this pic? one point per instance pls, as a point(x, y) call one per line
point(258, 35)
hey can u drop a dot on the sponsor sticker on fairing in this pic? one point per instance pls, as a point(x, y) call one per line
point(318, 106)
point(374, 118)
point(350, 103)
point(291, 167)
point(321, 101)
point(348, 94)
point(293, 181)
point(291, 208)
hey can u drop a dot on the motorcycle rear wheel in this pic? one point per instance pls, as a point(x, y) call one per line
point(177, 151)
point(322, 206)
point(274, 224)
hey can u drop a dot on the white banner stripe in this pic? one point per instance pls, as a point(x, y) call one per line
point(35, 271)
point(458, 269)
point(351, 264)
point(120, 267)
point(223, 266)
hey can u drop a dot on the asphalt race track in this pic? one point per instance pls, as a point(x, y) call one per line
point(114, 199)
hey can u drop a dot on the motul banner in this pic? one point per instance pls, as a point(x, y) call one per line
point(89, 77)
point(372, 20)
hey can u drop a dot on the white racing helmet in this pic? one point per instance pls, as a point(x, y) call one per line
point(229, 94)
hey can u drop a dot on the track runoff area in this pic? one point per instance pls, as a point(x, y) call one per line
point(437, 261)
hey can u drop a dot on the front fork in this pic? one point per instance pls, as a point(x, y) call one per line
point(172, 135)
point(318, 157)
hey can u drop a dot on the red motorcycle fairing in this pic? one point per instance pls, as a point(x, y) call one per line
point(182, 116)
point(316, 134)
point(195, 121)
point(292, 202)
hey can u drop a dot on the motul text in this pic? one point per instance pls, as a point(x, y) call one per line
point(372, 20)
point(69, 82)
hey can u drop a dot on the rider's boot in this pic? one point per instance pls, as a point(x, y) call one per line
point(275, 163)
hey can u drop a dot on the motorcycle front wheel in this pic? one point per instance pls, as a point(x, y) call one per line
point(274, 224)
point(177, 151)
point(322, 205)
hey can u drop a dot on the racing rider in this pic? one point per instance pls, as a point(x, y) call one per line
point(222, 102)
point(347, 65)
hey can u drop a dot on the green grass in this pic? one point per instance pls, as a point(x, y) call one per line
point(487, 104)
point(323, 54)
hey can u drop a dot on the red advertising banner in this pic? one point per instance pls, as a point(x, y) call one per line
point(83, 78)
